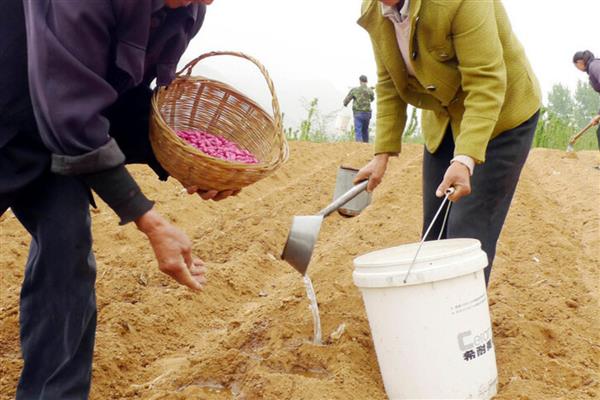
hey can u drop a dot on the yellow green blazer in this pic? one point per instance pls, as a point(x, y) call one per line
point(472, 73)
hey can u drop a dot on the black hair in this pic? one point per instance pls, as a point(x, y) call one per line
point(585, 55)
point(362, 78)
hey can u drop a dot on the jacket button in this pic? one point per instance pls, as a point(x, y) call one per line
point(431, 88)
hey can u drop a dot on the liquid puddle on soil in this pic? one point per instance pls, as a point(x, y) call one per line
point(314, 307)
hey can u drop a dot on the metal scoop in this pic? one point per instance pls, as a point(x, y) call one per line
point(305, 231)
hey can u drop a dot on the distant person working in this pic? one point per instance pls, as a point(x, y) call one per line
point(362, 96)
point(585, 61)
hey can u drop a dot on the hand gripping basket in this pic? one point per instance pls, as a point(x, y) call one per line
point(199, 103)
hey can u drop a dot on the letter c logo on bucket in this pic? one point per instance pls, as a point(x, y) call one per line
point(474, 346)
point(461, 341)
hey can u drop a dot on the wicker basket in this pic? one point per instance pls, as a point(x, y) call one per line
point(198, 103)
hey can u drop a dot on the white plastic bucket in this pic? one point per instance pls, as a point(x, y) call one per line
point(432, 335)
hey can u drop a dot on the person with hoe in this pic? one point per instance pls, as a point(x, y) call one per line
point(462, 65)
point(74, 109)
point(586, 62)
point(362, 97)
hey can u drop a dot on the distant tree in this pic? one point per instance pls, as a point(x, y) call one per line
point(552, 131)
point(560, 102)
point(565, 114)
point(587, 103)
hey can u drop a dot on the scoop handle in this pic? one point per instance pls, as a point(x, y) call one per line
point(343, 199)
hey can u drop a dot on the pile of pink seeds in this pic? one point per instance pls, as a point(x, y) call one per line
point(218, 147)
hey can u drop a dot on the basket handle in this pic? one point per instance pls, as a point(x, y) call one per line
point(187, 70)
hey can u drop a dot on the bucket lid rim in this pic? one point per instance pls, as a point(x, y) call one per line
point(463, 257)
point(460, 246)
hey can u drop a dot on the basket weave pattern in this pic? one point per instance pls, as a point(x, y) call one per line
point(202, 104)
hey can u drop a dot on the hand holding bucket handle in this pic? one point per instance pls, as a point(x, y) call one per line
point(450, 191)
point(457, 176)
point(447, 193)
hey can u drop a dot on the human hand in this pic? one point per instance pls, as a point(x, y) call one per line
point(457, 176)
point(373, 171)
point(214, 195)
point(173, 250)
point(596, 120)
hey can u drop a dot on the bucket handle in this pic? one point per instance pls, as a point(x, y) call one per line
point(447, 194)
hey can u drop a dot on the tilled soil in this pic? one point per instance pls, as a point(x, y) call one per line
point(248, 334)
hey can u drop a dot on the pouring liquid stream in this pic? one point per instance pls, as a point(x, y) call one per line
point(314, 307)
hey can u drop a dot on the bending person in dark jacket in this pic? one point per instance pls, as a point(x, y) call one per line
point(74, 105)
point(585, 61)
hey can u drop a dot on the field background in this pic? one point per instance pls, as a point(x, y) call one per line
point(247, 336)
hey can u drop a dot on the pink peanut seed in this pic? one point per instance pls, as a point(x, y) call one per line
point(217, 147)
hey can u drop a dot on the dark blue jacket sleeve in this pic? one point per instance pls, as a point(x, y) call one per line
point(69, 45)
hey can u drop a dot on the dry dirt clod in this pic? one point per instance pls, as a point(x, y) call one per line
point(572, 303)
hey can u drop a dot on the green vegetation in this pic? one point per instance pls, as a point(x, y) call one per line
point(313, 127)
point(563, 116)
point(553, 132)
point(412, 133)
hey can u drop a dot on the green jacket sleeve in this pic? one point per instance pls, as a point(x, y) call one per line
point(483, 74)
point(349, 97)
point(391, 111)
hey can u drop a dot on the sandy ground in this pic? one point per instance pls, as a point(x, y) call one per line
point(247, 336)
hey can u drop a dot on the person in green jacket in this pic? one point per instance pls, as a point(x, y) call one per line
point(362, 96)
point(460, 62)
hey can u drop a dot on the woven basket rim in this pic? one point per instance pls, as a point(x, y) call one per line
point(254, 128)
point(249, 99)
point(189, 149)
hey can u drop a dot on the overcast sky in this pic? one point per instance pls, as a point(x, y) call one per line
point(319, 41)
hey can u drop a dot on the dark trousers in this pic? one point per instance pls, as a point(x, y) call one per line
point(58, 306)
point(480, 215)
point(58, 301)
point(361, 126)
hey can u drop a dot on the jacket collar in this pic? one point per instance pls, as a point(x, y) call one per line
point(383, 36)
point(397, 13)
